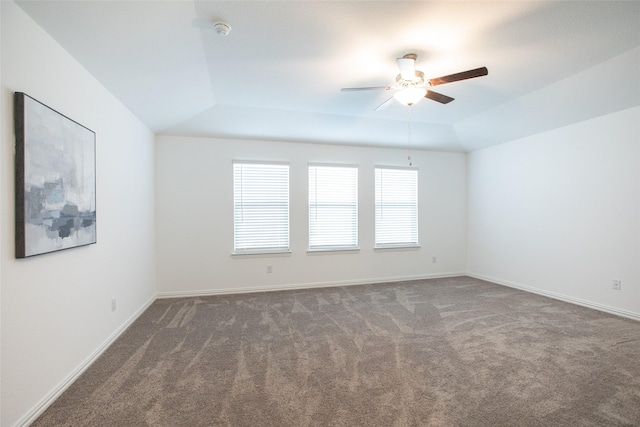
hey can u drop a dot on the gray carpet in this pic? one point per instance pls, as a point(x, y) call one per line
point(440, 352)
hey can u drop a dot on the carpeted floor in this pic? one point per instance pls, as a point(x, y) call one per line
point(440, 352)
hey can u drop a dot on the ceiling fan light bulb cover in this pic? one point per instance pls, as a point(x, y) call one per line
point(410, 95)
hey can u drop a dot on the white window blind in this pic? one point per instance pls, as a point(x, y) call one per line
point(260, 207)
point(396, 207)
point(333, 207)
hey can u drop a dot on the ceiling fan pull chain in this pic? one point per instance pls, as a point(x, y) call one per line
point(409, 144)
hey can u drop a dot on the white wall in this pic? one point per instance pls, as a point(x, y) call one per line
point(559, 212)
point(194, 218)
point(2, 215)
point(56, 308)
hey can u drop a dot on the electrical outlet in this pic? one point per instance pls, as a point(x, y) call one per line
point(269, 269)
point(113, 304)
point(434, 259)
point(617, 285)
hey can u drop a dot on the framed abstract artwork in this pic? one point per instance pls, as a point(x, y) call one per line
point(55, 180)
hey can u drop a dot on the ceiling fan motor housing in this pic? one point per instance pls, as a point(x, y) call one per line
point(418, 81)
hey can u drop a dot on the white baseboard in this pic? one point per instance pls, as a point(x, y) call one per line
point(46, 401)
point(301, 286)
point(561, 297)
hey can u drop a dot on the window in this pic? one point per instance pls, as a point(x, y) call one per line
point(396, 207)
point(260, 207)
point(333, 207)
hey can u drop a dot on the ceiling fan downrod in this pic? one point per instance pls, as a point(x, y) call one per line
point(409, 137)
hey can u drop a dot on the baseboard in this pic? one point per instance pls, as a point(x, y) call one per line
point(45, 402)
point(249, 289)
point(561, 297)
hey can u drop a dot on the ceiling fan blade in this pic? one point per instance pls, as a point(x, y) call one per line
point(478, 72)
point(356, 89)
point(407, 68)
point(384, 105)
point(438, 97)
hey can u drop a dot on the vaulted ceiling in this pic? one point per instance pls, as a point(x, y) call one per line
point(278, 74)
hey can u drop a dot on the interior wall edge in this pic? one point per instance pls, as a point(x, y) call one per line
point(57, 391)
point(304, 286)
point(557, 296)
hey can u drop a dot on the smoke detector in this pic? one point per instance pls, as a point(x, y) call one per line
point(222, 28)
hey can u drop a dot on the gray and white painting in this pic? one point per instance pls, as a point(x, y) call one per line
point(59, 181)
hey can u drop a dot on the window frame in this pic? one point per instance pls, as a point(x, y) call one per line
point(415, 226)
point(355, 233)
point(284, 249)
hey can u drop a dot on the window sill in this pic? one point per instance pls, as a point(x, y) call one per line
point(259, 254)
point(332, 250)
point(396, 248)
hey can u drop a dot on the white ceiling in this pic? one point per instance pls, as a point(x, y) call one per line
point(278, 74)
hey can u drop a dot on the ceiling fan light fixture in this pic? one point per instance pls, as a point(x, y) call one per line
point(410, 95)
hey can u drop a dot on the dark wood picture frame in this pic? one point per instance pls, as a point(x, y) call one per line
point(55, 165)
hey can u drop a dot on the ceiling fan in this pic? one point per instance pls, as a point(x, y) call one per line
point(411, 86)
